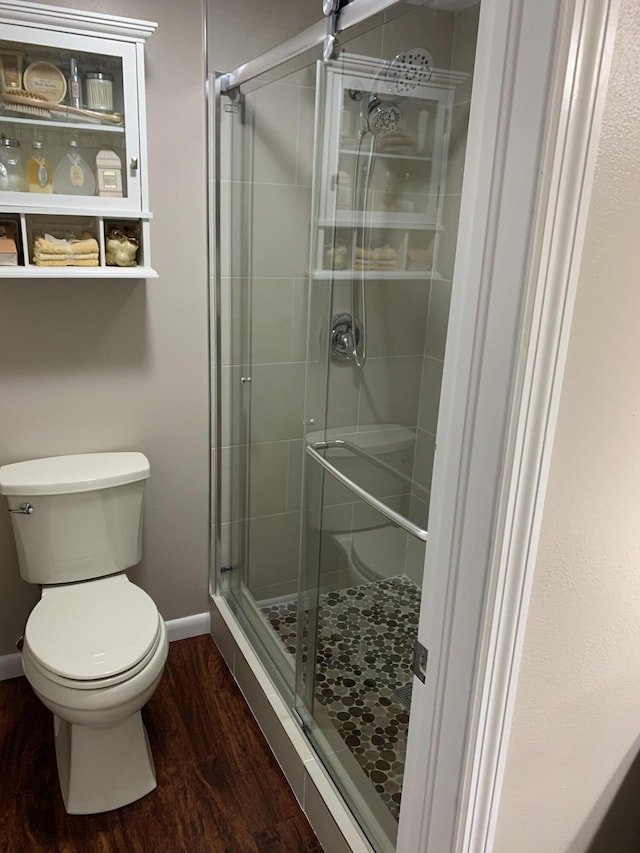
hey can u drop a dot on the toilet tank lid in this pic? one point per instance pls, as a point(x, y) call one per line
point(78, 472)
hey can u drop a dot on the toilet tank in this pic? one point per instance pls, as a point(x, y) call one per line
point(85, 519)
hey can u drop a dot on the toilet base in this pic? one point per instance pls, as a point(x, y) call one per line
point(101, 769)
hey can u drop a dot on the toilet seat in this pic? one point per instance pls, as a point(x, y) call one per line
point(92, 634)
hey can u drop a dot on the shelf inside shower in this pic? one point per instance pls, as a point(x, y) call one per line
point(363, 671)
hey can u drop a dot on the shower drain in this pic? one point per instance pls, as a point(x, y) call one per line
point(403, 695)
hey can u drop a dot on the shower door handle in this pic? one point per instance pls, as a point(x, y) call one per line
point(382, 508)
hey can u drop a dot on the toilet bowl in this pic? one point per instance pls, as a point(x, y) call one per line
point(95, 645)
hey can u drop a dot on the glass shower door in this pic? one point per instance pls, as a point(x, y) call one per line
point(390, 140)
point(267, 140)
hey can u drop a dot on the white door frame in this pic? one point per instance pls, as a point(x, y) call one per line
point(539, 87)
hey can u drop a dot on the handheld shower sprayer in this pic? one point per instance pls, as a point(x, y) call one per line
point(380, 115)
point(396, 80)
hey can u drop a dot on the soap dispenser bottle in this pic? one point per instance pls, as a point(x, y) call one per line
point(39, 175)
point(72, 175)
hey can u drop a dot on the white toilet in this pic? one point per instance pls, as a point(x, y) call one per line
point(95, 645)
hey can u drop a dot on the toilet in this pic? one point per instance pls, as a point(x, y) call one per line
point(95, 645)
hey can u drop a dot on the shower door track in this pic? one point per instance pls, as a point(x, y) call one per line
point(371, 500)
point(354, 13)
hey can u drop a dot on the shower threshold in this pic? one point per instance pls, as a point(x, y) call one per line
point(363, 669)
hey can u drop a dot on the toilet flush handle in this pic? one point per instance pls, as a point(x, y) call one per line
point(24, 509)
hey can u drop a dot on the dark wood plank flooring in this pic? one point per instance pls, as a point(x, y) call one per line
point(219, 787)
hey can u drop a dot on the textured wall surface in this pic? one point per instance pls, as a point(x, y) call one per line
point(576, 730)
point(118, 365)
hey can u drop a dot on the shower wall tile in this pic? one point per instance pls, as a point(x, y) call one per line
point(258, 317)
point(225, 255)
point(457, 148)
point(464, 47)
point(389, 391)
point(294, 478)
point(396, 317)
point(305, 136)
point(298, 329)
point(414, 564)
point(449, 235)
point(269, 408)
point(422, 27)
point(276, 590)
point(365, 516)
point(320, 311)
point(261, 466)
point(273, 112)
point(273, 549)
point(304, 77)
point(334, 494)
point(365, 39)
point(423, 467)
point(341, 403)
point(280, 226)
point(419, 507)
point(438, 320)
point(430, 395)
point(369, 476)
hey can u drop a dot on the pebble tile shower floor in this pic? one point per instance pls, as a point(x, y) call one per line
point(365, 645)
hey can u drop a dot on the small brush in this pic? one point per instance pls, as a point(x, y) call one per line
point(32, 99)
point(27, 109)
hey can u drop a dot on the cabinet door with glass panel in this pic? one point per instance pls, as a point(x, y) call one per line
point(69, 123)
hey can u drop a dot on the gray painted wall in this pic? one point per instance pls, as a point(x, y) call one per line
point(108, 365)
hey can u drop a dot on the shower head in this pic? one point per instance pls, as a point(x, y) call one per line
point(407, 71)
point(400, 78)
point(382, 118)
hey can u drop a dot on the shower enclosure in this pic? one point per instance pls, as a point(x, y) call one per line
point(390, 310)
point(340, 181)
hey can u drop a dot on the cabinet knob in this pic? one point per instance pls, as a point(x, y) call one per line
point(134, 164)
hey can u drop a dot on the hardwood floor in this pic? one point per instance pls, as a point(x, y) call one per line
point(219, 787)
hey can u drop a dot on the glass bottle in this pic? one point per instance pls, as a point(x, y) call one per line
point(74, 84)
point(72, 175)
point(39, 175)
point(10, 165)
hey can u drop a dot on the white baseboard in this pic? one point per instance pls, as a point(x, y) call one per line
point(177, 629)
point(10, 666)
point(188, 626)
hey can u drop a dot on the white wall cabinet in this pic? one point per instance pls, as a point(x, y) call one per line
point(379, 205)
point(102, 110)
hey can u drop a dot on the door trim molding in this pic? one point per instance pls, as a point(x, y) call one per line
point(577, 106)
